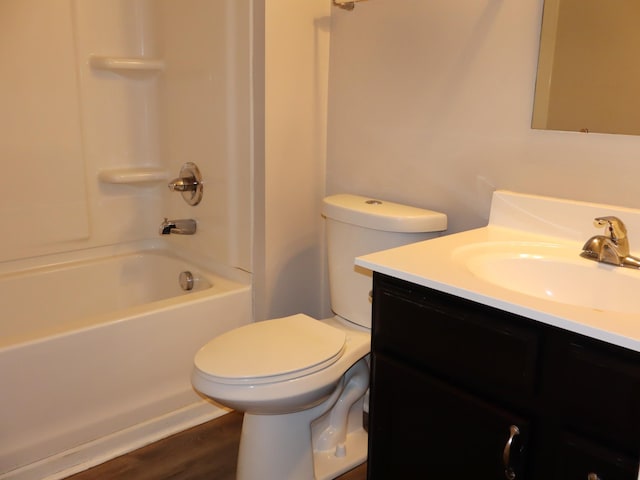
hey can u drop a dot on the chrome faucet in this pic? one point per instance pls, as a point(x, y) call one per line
point(180, 227)
point(612, 248)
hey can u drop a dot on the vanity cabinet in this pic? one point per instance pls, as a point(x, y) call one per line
point(460, 390)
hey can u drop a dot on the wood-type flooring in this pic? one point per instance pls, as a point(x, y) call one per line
point(205, 452)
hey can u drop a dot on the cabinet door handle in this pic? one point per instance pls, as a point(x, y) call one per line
point(593, 476)
point(509, 473)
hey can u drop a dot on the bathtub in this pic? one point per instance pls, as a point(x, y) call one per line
point(96, 350)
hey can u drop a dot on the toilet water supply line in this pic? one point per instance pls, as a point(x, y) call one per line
point(334, 435)
point(346, 5)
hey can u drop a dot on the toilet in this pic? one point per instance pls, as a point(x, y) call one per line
point(301, 382)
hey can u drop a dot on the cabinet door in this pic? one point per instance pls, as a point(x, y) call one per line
point(597, 392)
point(423, 428)
point(577, 458)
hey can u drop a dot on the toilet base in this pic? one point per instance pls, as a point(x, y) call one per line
point(328, 466)
point(275, 447)
point(279, 447)
point(319, 443)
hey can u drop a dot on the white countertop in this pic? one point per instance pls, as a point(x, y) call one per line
point(519, 218)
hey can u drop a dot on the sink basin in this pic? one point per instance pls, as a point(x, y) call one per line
point(553, 272)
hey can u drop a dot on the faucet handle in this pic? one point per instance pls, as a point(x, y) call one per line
point(189, 184)
point(614, 225)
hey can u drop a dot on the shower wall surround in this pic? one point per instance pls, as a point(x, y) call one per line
point(76, 111)
point(43, 197)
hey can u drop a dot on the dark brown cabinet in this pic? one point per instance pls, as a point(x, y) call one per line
point(464, 391)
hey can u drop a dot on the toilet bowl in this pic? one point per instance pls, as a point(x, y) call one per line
point(300, 381)
point(303, 410)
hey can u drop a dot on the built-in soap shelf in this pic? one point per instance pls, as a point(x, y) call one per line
point(142, 176)
point(127, 66)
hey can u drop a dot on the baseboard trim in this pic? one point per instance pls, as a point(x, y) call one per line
point(83, 457)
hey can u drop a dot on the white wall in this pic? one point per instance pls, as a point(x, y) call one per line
point(290, 263)
point(430, 104)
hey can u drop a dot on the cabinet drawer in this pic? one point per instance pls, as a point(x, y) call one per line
point(597, 388)
point(486, 349)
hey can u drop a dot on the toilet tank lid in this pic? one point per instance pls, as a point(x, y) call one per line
point(382, 215)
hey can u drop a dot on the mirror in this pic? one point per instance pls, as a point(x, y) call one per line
point(589, 67)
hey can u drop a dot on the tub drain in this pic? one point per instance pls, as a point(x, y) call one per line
point(186, 280)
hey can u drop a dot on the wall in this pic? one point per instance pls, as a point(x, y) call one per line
point(289, 261)
point(430, 104)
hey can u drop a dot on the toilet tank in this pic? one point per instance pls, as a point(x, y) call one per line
point(357, 226)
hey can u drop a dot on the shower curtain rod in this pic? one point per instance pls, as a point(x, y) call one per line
point(346, 5)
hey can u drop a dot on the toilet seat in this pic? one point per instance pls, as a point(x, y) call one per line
point(253, 354)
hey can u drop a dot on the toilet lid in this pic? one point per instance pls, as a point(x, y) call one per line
point(273, 350)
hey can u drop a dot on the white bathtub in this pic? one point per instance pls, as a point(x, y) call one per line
point(96, 354)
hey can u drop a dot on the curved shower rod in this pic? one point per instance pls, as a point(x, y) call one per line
point(346, 5)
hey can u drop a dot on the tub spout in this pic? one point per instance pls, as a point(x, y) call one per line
point(180, 227)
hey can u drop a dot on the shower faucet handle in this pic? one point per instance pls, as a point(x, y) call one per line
point(189, 183)
point(183, 185)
